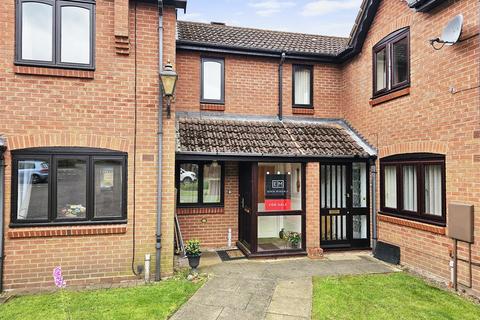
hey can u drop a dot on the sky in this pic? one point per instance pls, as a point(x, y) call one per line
point(325, 17)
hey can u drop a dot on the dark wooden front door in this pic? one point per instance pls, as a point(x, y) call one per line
point(344, 205)
point(245, 209)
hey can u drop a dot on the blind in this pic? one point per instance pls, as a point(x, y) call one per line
point(302, 86)
point(433, 189)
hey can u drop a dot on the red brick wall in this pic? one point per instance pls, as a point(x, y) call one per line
point(91, 109)
point(212, 228)
point(251, 86)
point(429, 119)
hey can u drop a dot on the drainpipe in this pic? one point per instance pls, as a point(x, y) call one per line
point(374, 204)
point(158, 235)
point(280, 86)
point(2, 198)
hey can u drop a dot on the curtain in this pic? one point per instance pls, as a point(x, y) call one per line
point(302, 86)
point(409, 188)
point(212, 183)
point(391, 186)
point(24, 190)
point(381, 76)
point(433, 189)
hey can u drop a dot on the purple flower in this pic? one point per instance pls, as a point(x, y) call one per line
point(58, 277)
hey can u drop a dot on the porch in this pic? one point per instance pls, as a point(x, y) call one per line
point(273, 188)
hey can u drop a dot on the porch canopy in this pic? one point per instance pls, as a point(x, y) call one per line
point(247, 138)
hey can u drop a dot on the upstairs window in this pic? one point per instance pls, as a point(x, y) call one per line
point(302, 86)
point(55, 33)
point(413, 186)
point(213, 81)
point(68, 186)
point(391, 63)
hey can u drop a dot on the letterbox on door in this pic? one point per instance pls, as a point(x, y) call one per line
point(460, 222)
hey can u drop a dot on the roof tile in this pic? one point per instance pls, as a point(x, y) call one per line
point(258, 39)
point(255, 137)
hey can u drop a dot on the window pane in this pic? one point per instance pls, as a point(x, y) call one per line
point(75, 42)
point(433, 189)
point(381, 69)
point(400, 62)
point(32, 192)
point(409, 188)
point(279, 187)
point(390, 186)
point(212, 80)
point(108, 188)
point(37, 31)
point(212, 183)
point(71, 188)
point(359, 184)
point(359, 227)
point(279, 232)
point(188, 183)
point(302, 86)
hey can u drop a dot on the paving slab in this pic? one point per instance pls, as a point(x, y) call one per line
point(268, 289)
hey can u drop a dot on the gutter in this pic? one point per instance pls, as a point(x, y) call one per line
point(280, 86)
point(266, 53)
point(158, 233)
point(2, 201)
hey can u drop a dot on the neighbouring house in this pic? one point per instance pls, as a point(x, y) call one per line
point(279, 143)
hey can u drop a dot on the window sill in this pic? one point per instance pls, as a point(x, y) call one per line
point(42, 232)
point(303, 110)
point(212, 107)
point(390, 96)
point(200, 210)
point(54, 72)
point(411, 224)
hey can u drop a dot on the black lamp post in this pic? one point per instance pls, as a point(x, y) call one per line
point(168, 78)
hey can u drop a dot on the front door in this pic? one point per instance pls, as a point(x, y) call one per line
point(245, 208)
point(344, 205)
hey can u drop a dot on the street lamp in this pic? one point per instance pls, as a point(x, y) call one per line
point(168, 78)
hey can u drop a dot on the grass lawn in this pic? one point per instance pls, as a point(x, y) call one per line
point(156, 301)
point(386, 296)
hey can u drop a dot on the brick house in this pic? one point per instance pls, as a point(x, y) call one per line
point(280, 143)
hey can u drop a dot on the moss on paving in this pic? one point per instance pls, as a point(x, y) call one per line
point(387, 296)
point(155, 301)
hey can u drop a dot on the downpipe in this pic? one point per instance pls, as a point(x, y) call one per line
point(158, 234)
point(280, 86)
point(374, 204)
point(2, 201)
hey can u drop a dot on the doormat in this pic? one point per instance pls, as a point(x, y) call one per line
point(228, 255)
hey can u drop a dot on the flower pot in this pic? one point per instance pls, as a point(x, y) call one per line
point(194, 261)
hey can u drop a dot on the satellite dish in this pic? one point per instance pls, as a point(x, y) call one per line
point(452, 31)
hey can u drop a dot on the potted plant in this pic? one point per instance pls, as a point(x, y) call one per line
point(193, 253)
point(294, 239)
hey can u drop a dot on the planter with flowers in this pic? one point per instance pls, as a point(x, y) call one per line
point(294, 239)
point(193, 253)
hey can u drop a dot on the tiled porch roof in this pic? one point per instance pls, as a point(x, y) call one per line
point(268, 137)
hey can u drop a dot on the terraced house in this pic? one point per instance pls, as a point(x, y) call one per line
point(278, 143)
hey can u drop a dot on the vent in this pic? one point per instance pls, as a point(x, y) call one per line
point(215, 23)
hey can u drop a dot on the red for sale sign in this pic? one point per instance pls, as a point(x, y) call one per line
point(278, 204)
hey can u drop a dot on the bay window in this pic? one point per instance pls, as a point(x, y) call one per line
point(68, 186)
point(302, 86)
point(413, 186)
point(391, 63)
point(55, 33)
point(200, 184)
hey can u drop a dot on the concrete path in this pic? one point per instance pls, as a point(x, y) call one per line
point(268, 289)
